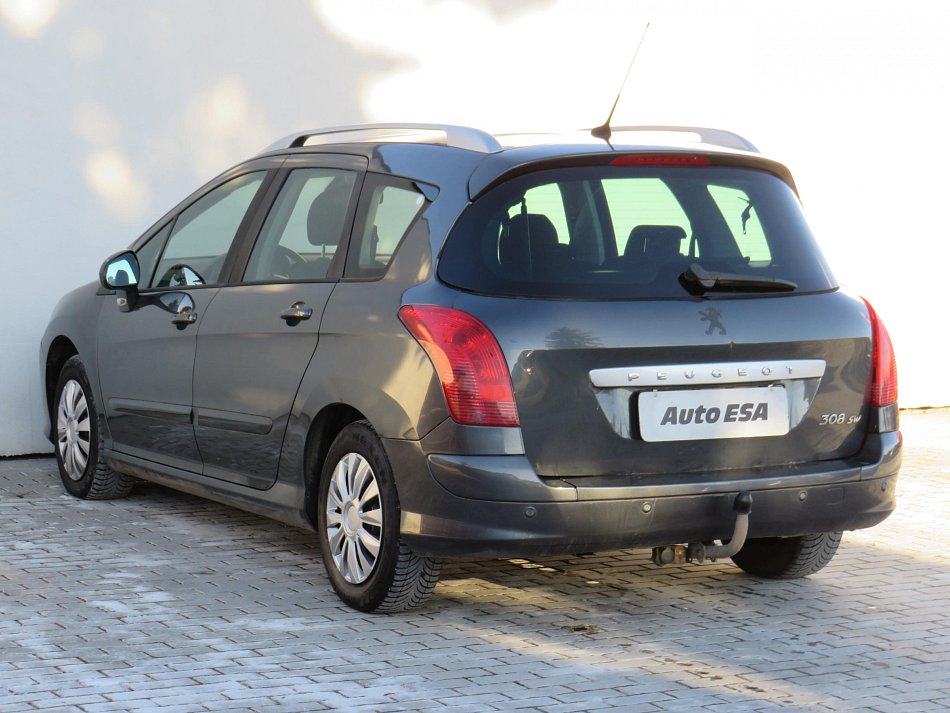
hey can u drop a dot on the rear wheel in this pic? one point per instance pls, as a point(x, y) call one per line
point(78, 429)
point(358, 524)
point(787, 557)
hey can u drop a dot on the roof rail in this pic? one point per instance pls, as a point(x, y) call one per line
point(717, 137)
point(461, 137)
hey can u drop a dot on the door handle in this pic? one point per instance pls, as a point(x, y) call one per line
point(185, 317)
point(296, 313)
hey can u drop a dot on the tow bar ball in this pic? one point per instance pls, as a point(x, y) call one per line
point(699, 551)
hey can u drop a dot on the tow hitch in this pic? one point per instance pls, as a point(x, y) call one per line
point(700, 551)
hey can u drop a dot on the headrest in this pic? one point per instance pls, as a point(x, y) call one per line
point(327, 213)
point(654, 240)
point(513, 248)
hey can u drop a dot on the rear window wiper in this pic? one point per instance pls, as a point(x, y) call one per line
point(698, 280)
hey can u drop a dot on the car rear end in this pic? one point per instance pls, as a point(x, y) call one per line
point(626, 342)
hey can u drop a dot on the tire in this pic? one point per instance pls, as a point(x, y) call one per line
point(77, 428)
point(358, 526)
point(787, 557)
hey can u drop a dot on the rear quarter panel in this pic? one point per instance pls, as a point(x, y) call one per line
point(365, 357)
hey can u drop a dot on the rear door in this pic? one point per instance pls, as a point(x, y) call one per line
point(261, 332)
point(147, 355)
point(619, 369)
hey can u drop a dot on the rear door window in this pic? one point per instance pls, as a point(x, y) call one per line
point(304, 228)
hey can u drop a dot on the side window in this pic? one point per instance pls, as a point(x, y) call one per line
point(647, 218)
point(390, 212)
point(148, 254)
point(546, 200)
point(304, 227)
point(203, 233)
point(740, 215)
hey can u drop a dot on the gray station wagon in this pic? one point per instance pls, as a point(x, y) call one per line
point(425, 341)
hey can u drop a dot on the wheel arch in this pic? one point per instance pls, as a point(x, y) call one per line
point(324, 428)
point(60, 351)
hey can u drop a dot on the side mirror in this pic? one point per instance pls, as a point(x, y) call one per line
point(121, 273)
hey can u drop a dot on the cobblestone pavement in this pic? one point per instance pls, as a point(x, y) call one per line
point(170, 603)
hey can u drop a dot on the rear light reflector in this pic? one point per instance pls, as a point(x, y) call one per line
point(661, 159)
point(883, 386)
point(469, 362)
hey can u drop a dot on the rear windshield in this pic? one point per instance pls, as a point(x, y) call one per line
point(628, 232)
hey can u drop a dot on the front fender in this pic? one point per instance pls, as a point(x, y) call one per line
point(74, 319)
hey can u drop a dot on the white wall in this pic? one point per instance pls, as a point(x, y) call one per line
point(112, 111)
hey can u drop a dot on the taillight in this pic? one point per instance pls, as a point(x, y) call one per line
point(660, 159)
point(469, 362)
point(883, 388)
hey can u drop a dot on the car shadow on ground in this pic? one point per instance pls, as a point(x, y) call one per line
point(860, 581)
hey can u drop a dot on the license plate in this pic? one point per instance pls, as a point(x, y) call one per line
point(713, 413)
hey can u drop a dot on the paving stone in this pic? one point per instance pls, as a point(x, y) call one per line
point(165, 602)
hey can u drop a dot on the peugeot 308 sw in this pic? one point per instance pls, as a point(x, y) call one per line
point(425, 342)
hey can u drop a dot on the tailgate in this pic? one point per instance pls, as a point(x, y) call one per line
point(650, 389)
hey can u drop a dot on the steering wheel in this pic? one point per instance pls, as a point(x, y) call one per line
point(285, 260)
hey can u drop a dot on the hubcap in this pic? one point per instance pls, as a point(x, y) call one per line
point(72, 429)
point(354, 518)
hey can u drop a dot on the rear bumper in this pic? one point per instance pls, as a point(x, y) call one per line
point(491, 506)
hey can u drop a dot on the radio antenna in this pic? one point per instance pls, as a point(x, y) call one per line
point(603, 131)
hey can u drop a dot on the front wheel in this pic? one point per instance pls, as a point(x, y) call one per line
point(787, 557)
point(78, 426)
point(358, 524)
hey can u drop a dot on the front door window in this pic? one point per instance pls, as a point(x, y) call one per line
point(203, 233)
